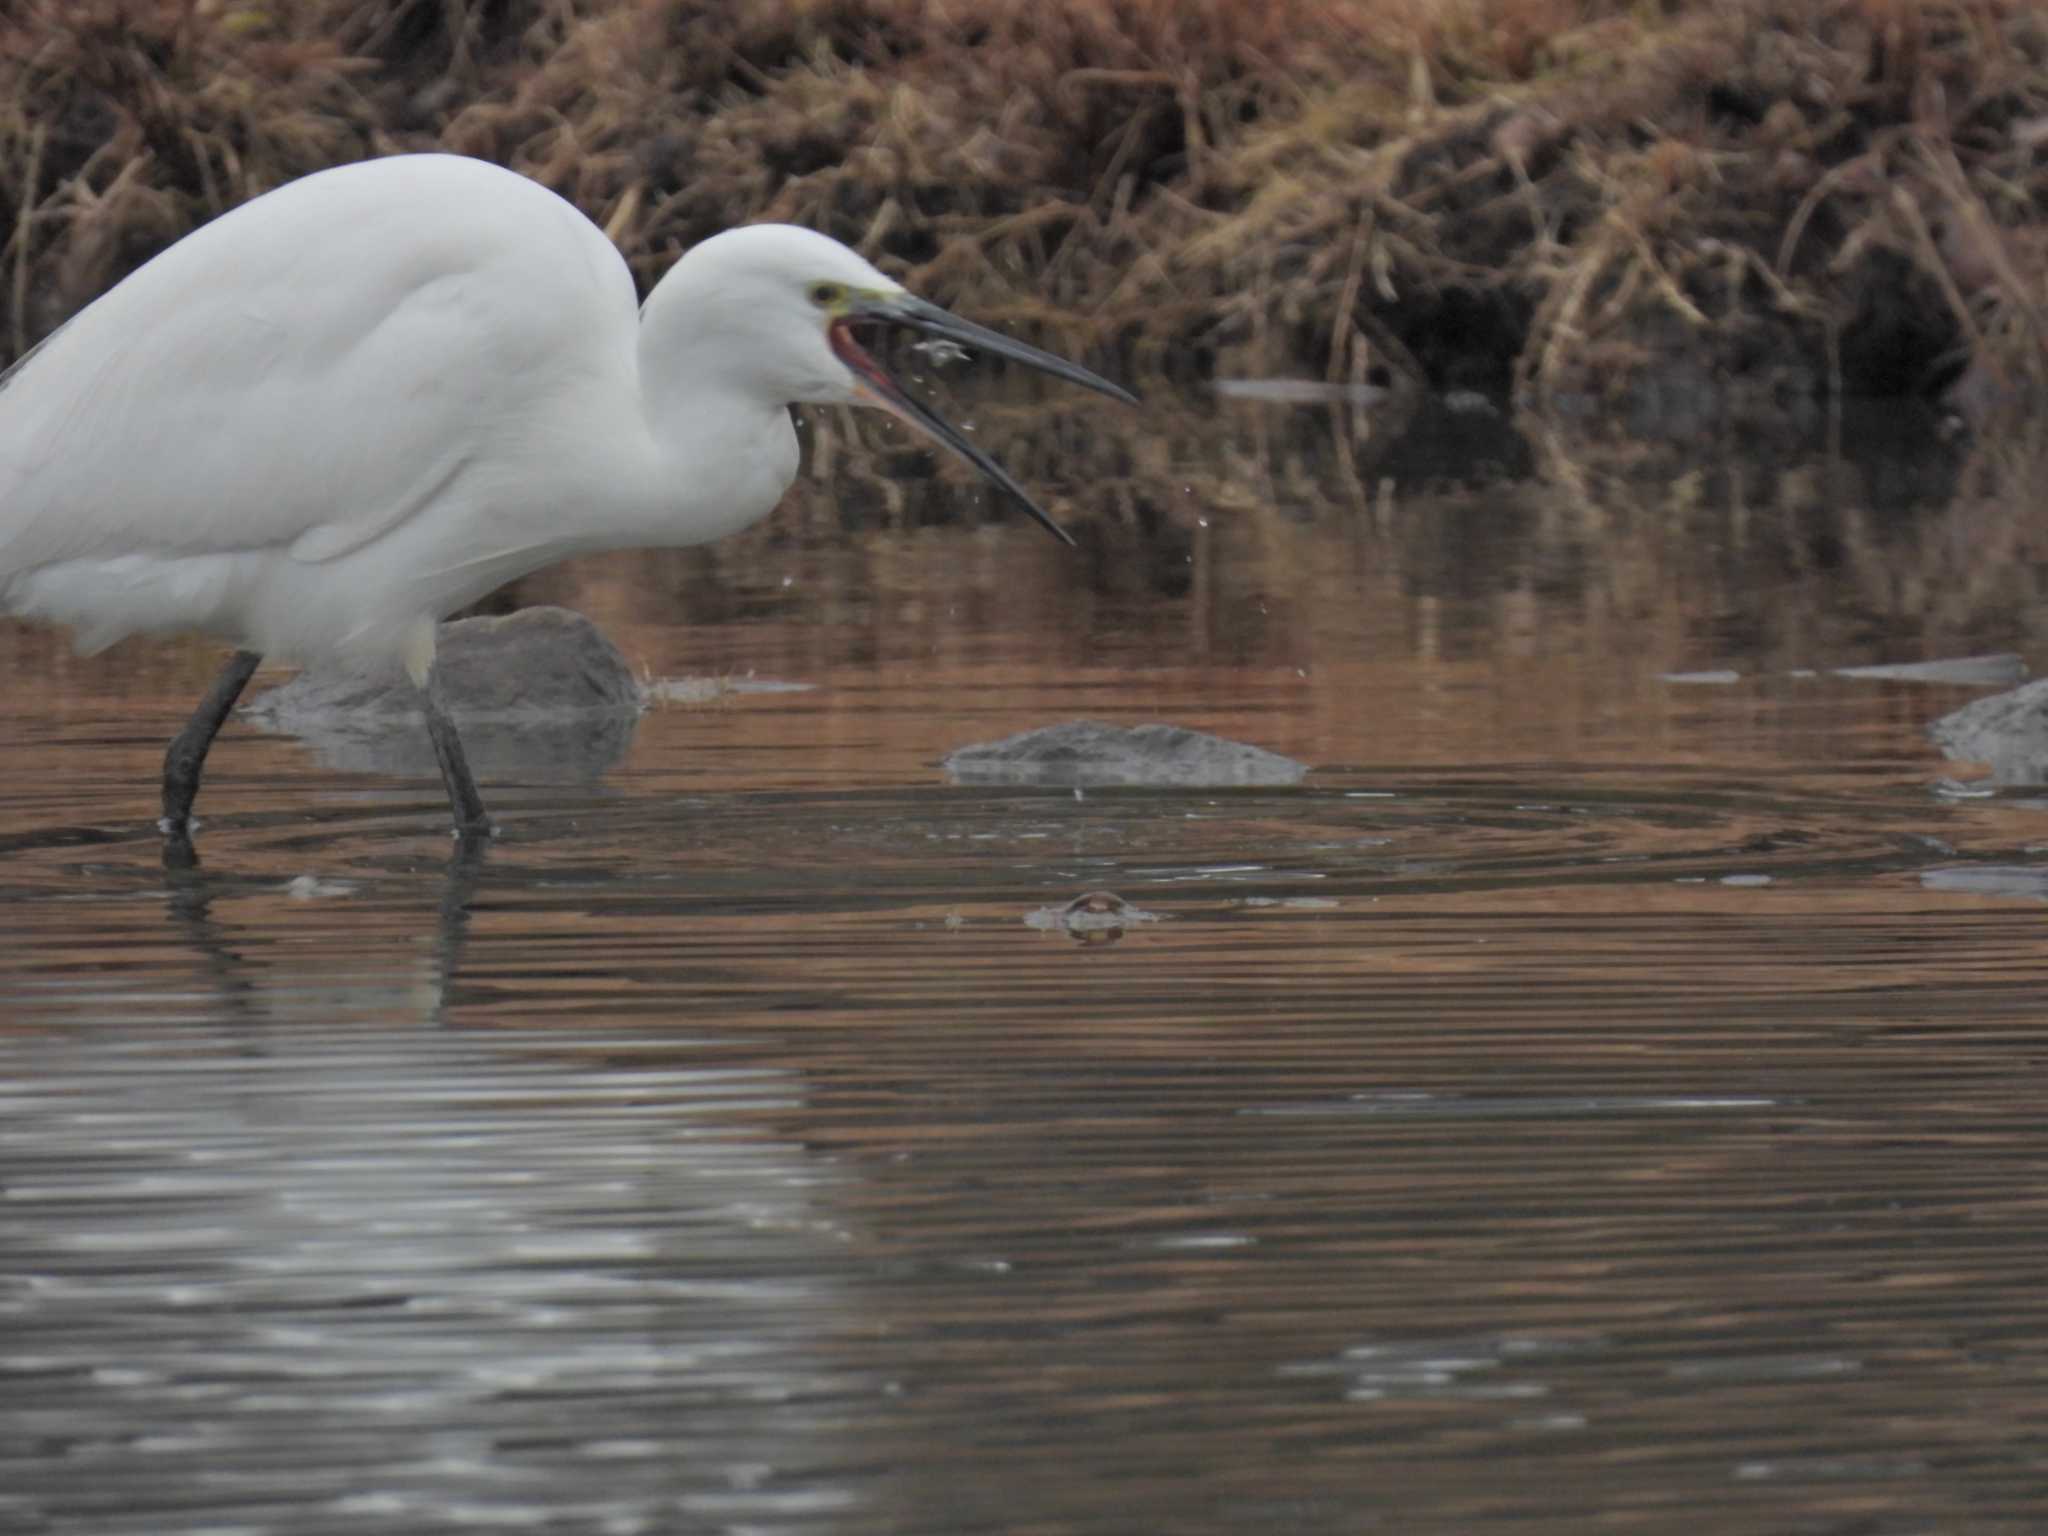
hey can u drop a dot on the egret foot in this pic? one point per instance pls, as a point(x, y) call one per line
point(186, 755)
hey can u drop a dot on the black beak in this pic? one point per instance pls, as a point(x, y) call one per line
point(930, 320)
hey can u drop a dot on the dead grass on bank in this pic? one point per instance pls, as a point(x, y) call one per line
point(1786, 196)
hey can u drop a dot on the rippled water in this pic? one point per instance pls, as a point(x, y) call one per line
point(1589, 1101)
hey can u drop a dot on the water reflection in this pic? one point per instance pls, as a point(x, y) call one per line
point(191, 891)
point(541, 750)
point(1583, 1100)
point(319, 1276)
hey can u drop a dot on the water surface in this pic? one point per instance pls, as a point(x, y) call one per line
point(1588, 1101)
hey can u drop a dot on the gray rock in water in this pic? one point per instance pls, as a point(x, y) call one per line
point(1089, 752)
point(539, 694)
point(1990, 880)
point(2007, 732)
point(1992, 671)
point(538, 661)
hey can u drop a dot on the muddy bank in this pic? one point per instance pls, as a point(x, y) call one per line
point(1720, 209)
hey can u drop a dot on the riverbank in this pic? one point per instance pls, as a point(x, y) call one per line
point(1737, 205)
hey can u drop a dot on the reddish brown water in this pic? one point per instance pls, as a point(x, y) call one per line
point(1570, 1109)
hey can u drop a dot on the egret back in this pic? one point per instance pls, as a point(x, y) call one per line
point(310, 372)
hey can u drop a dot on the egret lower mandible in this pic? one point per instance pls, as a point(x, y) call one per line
point(328, 419)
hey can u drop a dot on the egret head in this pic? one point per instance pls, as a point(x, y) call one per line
point(788, 304)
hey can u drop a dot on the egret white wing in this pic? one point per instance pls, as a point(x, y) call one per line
point(310, 370)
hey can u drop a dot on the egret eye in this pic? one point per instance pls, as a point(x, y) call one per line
point(825, 295)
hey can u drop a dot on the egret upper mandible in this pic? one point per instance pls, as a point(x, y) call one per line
point(331, 417)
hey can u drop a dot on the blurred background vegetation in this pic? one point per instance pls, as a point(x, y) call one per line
point(1574, 200)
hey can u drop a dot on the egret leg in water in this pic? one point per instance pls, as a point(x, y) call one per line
point(335, 415)
point(186, 755)
point(471, 819)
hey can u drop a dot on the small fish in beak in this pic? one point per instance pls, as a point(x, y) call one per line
point(878, 388)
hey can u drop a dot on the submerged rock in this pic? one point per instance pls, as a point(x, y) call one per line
point(540, 694)
point(2007, 732)
point(1090, 752)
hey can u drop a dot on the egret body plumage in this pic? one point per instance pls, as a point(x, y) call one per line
point(321, 423)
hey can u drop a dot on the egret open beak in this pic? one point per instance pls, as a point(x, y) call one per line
point(877, 388)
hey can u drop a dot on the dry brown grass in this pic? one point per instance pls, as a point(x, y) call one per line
point(1794, 195)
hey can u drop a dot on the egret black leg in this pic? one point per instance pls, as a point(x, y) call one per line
point(186, 754)
point(471, 819)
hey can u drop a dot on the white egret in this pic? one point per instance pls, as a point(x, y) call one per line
point(321, 423)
